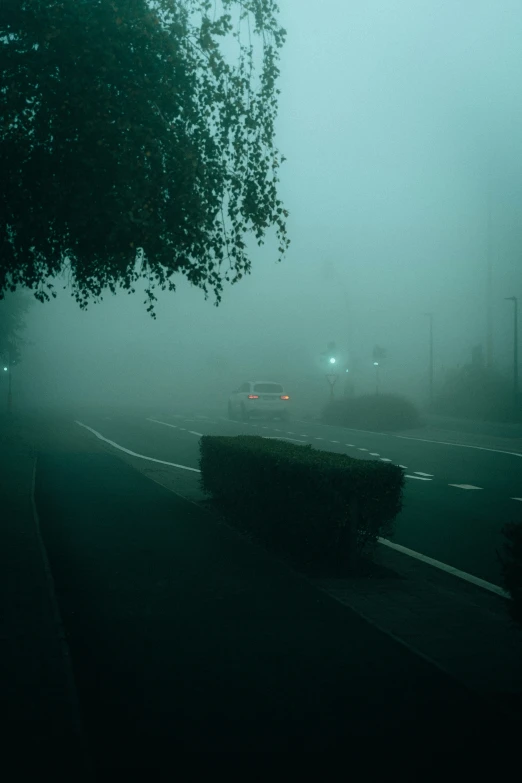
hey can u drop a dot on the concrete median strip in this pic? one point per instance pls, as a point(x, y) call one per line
point(135, 454)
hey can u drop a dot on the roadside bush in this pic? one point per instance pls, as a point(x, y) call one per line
point(315, 506)
point(476, 392)
point(372, 412)
point(512, 568)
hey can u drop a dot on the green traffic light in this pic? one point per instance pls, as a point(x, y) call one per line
point(332, 360)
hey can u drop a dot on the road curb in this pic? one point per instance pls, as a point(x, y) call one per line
point(85, 763)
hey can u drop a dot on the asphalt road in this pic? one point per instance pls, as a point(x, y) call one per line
point(456, 501)
point(184, 637)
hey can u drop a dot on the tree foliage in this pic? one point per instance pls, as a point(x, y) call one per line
point(13, 308)
point(134, 144)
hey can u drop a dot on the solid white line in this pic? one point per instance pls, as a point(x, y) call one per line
point(134, 454)
point(444, 567)
point(460, 445)
point(426, 440)
point(420, 473)
point(420, 478)
point(464, 486)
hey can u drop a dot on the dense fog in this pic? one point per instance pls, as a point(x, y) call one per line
point(402, 127)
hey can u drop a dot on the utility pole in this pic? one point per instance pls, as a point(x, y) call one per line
point(489, 278)
point(515, 351)
point(9, 387)
point(430, 316)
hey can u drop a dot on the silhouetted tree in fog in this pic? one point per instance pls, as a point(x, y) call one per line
point(131, 147)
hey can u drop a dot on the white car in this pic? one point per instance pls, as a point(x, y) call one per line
point(259, 398)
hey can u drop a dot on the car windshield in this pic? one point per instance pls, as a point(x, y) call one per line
point(268, 388)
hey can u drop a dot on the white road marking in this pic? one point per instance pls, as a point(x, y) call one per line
point(374, 454)
point(516, 499)
point(303, 435)
point(199, 434)
point(385, 459)
point(404, 466)
point(444, 567)
point(428, 440)
point(350, 445)
point(359, 449)
point(135, 454)
point(334, 441)
point(420, 473)
point(165, 424)
point(420, 478)
point(464, 486)
point(281, 437)
point(460, 445)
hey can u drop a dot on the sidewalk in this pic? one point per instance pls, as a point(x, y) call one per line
point(42, 727)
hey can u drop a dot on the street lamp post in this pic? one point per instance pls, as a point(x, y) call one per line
point(376, 365)
point(515, 349)
point(430, 316)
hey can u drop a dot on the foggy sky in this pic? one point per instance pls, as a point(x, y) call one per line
point(391, 114)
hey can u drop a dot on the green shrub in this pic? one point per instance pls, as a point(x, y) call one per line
point(476, 392)
point(372, 412)
point(512, 568)
point(314, 506)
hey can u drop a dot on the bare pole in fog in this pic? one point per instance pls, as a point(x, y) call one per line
point(430, 316)
point(489, 276)
point(514, 299)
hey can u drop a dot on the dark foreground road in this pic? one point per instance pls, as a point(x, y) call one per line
point(186, 638)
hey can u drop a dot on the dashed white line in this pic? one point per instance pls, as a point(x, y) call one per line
point(303, 435)
point(318, 438)
point(420, 473)
point(420, 478)
point(350, 445)
point(199, 434)
point(444, 567)
point(334, 441)
point(374, 454)
point(359, 449)
point(281, 437)
point(404, 466)
point(385, 459)
point(464, 486)
point(135, 454)
point(516, 499)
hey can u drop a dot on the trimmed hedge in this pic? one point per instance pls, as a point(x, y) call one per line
point(315, 506)
point(372, 412)
point(512, 568)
